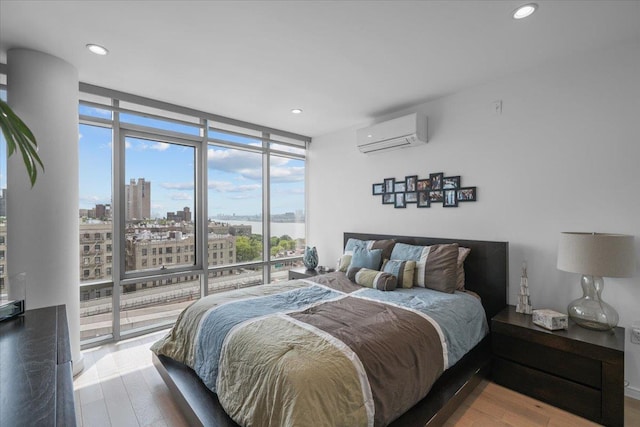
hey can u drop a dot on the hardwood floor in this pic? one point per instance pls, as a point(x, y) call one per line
point(119, 387)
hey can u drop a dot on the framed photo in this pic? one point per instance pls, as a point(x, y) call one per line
point(388, 198)
point(423, 199)
point(401, 187)
point(467, 194)
point(378, 189)
point(450, 199)
point(436, 180)
point(423, 185)
point(411, 182)
point(389, 184)
point(449, 182)
point(411, 197)
point(436, 196)
point(400, 200)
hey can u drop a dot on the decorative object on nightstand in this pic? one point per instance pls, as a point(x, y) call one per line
point(595, 255)
point(550, 319)
point(310, 259)
point(524, 301)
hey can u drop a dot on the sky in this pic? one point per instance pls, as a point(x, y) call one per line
point(234, 176)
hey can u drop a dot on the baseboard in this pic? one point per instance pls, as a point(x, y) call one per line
point(632, 392)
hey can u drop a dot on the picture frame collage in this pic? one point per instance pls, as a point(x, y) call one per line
point(424, 192)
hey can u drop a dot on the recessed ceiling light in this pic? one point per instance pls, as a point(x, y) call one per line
point(524, 11)
point(97, 49)
point(296, 111)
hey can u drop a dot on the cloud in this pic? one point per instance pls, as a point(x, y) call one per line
point(229, 187)
point(249, 165)
point(290, 174)
point(182, 196)
point(177, 185)
point(95, 200)
point(141, 145)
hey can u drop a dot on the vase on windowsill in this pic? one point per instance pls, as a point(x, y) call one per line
point(310, 259)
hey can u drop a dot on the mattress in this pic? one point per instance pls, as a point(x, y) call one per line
point(323, 351)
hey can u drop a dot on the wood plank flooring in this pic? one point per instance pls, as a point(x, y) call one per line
point(119, 387)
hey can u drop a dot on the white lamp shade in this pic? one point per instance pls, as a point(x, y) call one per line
point(597, 254)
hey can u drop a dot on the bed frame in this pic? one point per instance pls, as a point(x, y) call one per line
point(486, 273)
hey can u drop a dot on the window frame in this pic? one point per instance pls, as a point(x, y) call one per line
point(110, 101)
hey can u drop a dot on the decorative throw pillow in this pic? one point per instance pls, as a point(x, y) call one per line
point(372, 278)
point(366, 258)
point(385, 245)
point(436, 265)
point(343, 263)
point(462, 255)
point(403, 270)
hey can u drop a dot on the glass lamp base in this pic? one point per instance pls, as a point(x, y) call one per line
point(590, 311)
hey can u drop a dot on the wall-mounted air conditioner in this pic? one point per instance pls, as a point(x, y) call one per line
point(403, 132)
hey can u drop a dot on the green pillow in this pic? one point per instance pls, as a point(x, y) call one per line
point(372, 278)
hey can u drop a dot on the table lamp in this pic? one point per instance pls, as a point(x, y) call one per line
point(595, 255)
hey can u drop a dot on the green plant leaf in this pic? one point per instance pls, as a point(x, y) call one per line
point(19, 136)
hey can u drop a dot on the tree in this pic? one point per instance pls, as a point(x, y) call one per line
point(247, 249)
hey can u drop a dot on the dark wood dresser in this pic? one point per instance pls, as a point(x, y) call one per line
point(36, 383)
point(579, 370)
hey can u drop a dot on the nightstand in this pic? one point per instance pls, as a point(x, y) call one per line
point(301, 273)
point(578, 370)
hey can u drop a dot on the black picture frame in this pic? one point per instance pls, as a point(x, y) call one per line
point(400, 201)
point(450, 199)
point(466, 194)
point(450, 182)
point(423, 199)
point(389, 198)
point(423, 185)
point(411, 183)
point(389, 185)
point(411, 197)
point(436, 180)
point(436, 196)
point(377, 189)
point(400, 187)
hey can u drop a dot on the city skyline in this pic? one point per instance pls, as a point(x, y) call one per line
point(235, 176)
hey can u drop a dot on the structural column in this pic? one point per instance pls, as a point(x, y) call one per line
point(42, 222)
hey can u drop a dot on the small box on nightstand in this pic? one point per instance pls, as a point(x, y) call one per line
point(550, 319)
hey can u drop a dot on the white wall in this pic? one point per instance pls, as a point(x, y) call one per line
point(563, 156)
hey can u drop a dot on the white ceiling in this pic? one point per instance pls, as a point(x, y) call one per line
point(342, 62)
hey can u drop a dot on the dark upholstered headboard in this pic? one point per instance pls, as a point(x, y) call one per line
point(486, 268)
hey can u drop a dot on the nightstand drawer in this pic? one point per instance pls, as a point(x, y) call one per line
point(556, 362)
point(559, 392)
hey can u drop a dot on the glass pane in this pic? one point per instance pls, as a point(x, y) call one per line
point(96, 311)
point(220, 135)
point(235, 205)
point(288, 149)
point(159, 205)
point(156, 302)
point(287, 210)
point(90, 110)
point(96, 225)
point(159, 124)
point(234, 278)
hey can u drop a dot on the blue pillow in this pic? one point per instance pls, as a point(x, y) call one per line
point(366, 258)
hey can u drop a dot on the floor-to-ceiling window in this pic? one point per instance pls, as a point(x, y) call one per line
point(176, 204)
point(96, 229)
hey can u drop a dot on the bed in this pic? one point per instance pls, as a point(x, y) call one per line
point(319, 324)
